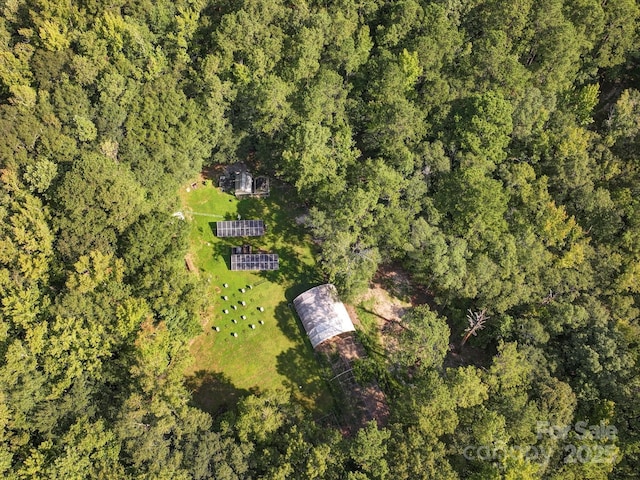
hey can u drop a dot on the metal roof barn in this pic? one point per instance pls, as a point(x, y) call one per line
point(322, 313)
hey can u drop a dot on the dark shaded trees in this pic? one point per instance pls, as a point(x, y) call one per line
point(96, 201)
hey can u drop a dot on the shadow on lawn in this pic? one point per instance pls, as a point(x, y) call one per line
point(292, 270)
point(277, 211)
point(287, 317)
point(221, 248)
point(298, 364)
point(213, 392)
point(288, 322)
point(301, 372)
point(212, 226)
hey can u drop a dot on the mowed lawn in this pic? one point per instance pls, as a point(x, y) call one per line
point(276, 354)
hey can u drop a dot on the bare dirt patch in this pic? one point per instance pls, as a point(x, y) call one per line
point(212, 172)
point(384, 306)
point(386, 301)
point(353, 314)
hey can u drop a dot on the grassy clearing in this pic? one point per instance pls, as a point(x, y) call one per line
point(276, 354)
point(380, 311)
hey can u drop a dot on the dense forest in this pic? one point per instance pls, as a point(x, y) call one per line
point(491, 148)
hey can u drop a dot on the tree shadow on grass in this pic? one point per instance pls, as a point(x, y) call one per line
point(212, 226)
point(288, 323)
point(213, 392)
point(304, 373)
point(304, 377)
point(223, 249)
point(292, 270)
point(278, 211)
point(253, 209)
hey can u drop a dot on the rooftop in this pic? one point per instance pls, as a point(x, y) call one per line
point(322, 314)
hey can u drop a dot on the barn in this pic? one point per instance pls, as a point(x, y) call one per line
point(322, 313)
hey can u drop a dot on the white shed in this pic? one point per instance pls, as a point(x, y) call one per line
point(322, 313)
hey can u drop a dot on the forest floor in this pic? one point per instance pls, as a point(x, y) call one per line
point(277, 353)
point(379, 310)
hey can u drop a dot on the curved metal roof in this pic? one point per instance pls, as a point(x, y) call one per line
point(323, 315)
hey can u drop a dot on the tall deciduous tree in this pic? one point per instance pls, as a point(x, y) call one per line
point(424, 340)
point(97, 199)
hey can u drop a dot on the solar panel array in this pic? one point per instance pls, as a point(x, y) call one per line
point(255, 261)
point(240, 228)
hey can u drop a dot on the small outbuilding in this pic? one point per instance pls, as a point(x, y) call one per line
point(238, 178)
point(247, 186)
point(322, 313)
point(243, 184)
